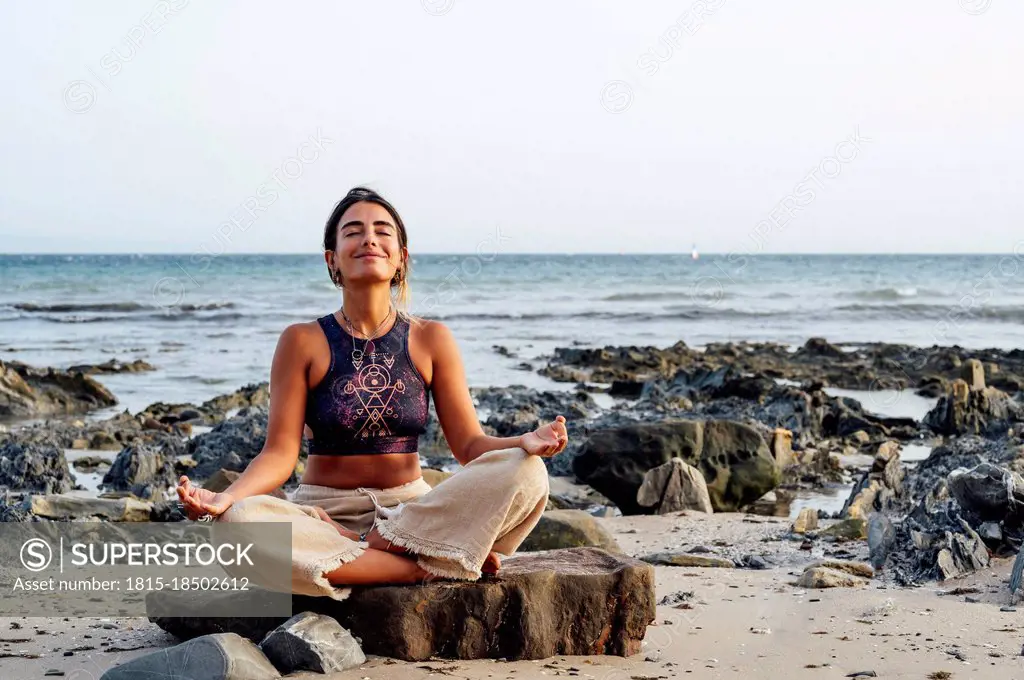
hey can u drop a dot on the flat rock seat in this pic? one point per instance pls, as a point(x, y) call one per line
point(577, 601)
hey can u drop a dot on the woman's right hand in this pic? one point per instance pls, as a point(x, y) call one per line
point(197, 501)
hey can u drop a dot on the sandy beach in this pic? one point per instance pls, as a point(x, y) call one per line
point(737, 623)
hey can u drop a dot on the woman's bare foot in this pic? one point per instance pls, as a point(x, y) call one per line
point(492, 563)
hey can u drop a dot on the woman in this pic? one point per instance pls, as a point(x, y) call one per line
point(361, 378)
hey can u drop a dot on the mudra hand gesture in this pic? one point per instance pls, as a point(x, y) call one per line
point(196, 501)
point(546, 440)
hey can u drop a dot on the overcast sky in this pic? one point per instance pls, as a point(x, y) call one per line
point(571, 126)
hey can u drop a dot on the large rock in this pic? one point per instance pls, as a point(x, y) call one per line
point(564, 602)
point(232, 444)
point(673, 487)
point(733, 457)
point(823, 577)
point(984, 411)
point(880, 488)
point(142, 471)
point(569, 529)
point(33, 467)
point(26, 391)
point(312, 642)
point(222, 656)
point(989, 493)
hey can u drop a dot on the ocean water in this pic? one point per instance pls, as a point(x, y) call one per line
point(211, 325)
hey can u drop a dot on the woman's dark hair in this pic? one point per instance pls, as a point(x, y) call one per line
point(360, 195)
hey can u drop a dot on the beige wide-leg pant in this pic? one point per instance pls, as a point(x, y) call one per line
point(491, 504)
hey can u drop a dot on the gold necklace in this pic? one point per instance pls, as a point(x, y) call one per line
point(359, 354)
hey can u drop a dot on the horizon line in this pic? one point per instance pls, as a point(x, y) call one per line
point(505, 254)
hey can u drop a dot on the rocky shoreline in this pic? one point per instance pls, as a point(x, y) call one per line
point(735, 430)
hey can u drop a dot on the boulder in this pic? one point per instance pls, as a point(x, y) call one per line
point(78, 507)
point(673, 487)
point(113, 366)
point(852, 529)
point(142, 471)
point(987, 411)
point(26, 391)
point(861, 569)
point(580, 601)
point(221, 656)
point(569, 529)
point(733, 458)
point(312, 642)
point(34, 467)
point(989, 493)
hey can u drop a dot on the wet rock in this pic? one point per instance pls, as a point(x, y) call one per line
point(32, 467)
point(678, 559)
point(221, 656)
point(113, 366)
point(806, 521)
point(737, 465)
point(935, 542)
point(569, 529)
point(142, 471)
point(820, 347)
point(673, 487)
point(27, 391)
point(564, 602)
point(312, 642)
point(987, 412)
point(78, 507)
point(881, 536)
point(823, 577)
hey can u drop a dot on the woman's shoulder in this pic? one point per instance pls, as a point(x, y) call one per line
point(301, 335)
point(427, 330)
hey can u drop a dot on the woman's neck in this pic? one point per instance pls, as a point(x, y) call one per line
point(368, 310)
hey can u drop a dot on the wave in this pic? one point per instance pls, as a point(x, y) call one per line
point(953, 313)
point(156, 317)
point(882, 294)
point(68, 308)
point(640, 296)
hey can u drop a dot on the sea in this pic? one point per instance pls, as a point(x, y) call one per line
point(209, 325)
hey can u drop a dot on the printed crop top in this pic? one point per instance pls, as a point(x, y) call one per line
point(372, 400)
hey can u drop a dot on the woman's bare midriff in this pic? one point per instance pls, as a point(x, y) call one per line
point(376, 471)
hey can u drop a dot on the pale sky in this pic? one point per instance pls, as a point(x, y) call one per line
point(542, 119)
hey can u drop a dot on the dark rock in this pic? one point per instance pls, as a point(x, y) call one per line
point(26, 391)
point(142, 471)
point(113, 366)
point(881, 538)
point(33, 467)
point(312, 642)
point(232, 444)
point(734, 459)
point(987, 412)
point(988, 492)
point(569, 529)
point(564, 602)
point(935, 543)
point(222, 656)
point(166, 511)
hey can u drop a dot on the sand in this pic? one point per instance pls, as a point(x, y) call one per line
point(742, 623)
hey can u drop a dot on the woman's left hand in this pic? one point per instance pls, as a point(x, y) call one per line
point(546, 440)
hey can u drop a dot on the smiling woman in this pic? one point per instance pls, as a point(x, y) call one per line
point(360, 380)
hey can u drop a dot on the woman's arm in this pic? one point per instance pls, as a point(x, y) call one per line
point(288, 385)
point(456, 412)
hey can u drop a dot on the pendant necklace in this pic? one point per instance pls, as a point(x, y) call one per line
point(368, 347)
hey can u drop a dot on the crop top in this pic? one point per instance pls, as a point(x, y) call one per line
point(372, 400)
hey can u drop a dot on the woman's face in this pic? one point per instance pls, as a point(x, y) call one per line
point(368, 249)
